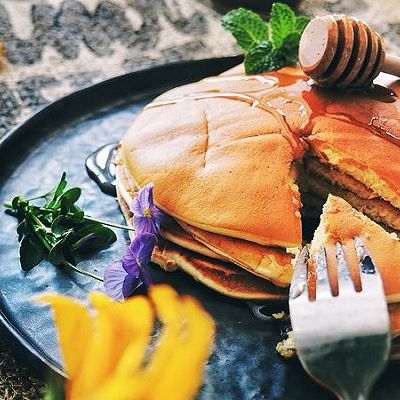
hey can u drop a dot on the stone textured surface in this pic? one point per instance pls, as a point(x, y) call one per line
point(55, 46)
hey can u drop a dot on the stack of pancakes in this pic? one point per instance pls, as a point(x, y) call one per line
point(227, 156)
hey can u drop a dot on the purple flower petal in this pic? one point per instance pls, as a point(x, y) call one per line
point(114, 277)
point(143, 200)
point(147, 217)
point(130, 285)
point(129, 262)
point(138, 254)
point(120, 285)
point(144, 225)
point(145, 277)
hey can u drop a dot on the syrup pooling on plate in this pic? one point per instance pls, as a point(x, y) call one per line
point(295, 102)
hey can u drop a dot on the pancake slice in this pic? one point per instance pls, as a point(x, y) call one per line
point(223, 277)
point(372, 163)
point(268, 263)
point(322, 179)
point(341, 222)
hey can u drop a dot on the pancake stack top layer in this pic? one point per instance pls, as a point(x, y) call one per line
point(220, 151)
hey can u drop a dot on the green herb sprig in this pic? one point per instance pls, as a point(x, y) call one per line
point(267, 45)
point(58, 230)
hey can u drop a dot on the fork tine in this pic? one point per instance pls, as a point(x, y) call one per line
point(299, 280)
point(346, 256)
point(369, 275)
point(366, 264)
point(353, 262)
point(332, 267)
point(323, 287)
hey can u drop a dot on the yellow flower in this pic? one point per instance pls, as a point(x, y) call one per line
point(110, 354)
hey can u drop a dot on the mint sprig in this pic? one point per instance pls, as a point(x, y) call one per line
point(53, 227)
point(267, 45)
point(246, 26)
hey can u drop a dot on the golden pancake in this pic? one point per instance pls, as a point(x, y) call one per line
point(225, 278)
point(265, 262)
point(340, 222)
point(366, 157)
point(196, 151)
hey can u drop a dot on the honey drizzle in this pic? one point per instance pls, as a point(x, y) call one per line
point(297, 144)
point(268, 81)
point(312, 102)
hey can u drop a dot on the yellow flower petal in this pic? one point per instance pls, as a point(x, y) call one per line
point(191, 351)
point(118, 326)
point(135, 317)
point(75, 329)
point(169, 311)
point(110, 365)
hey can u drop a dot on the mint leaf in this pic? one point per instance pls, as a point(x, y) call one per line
point(246, 26)
point(290, 48)
point(31, 253)
point(301, 23)
point(262, 57)
point(283, 22)
point(267, 45)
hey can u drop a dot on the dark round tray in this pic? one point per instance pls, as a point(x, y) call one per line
point(244, 364)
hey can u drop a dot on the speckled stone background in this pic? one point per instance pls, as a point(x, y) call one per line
point(53, 47)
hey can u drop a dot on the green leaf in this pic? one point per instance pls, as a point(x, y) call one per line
point(18, 202)
point(57, 252)
point(61, 185)
point(301, 23)
point(262, 57)
point(246, 26)
point(91, 238)
point(31, 253)
point(288, 52)
point(57, 231)
point(267, 46)
point(282, 21)
point(68, 199)
point(57, 192)
point(22, 229)
point(58, 227)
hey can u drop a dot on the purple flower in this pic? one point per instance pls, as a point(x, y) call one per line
point(118, 283)
point(123, 278)
point(147, 217)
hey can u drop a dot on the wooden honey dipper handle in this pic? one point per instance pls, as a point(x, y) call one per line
point(337, 50)
point(391, 65)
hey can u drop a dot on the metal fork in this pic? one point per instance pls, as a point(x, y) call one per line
point(342, 339)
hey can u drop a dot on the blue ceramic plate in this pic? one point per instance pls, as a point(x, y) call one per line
point(244, 364)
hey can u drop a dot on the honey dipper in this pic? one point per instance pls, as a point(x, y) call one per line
point(337, 50)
